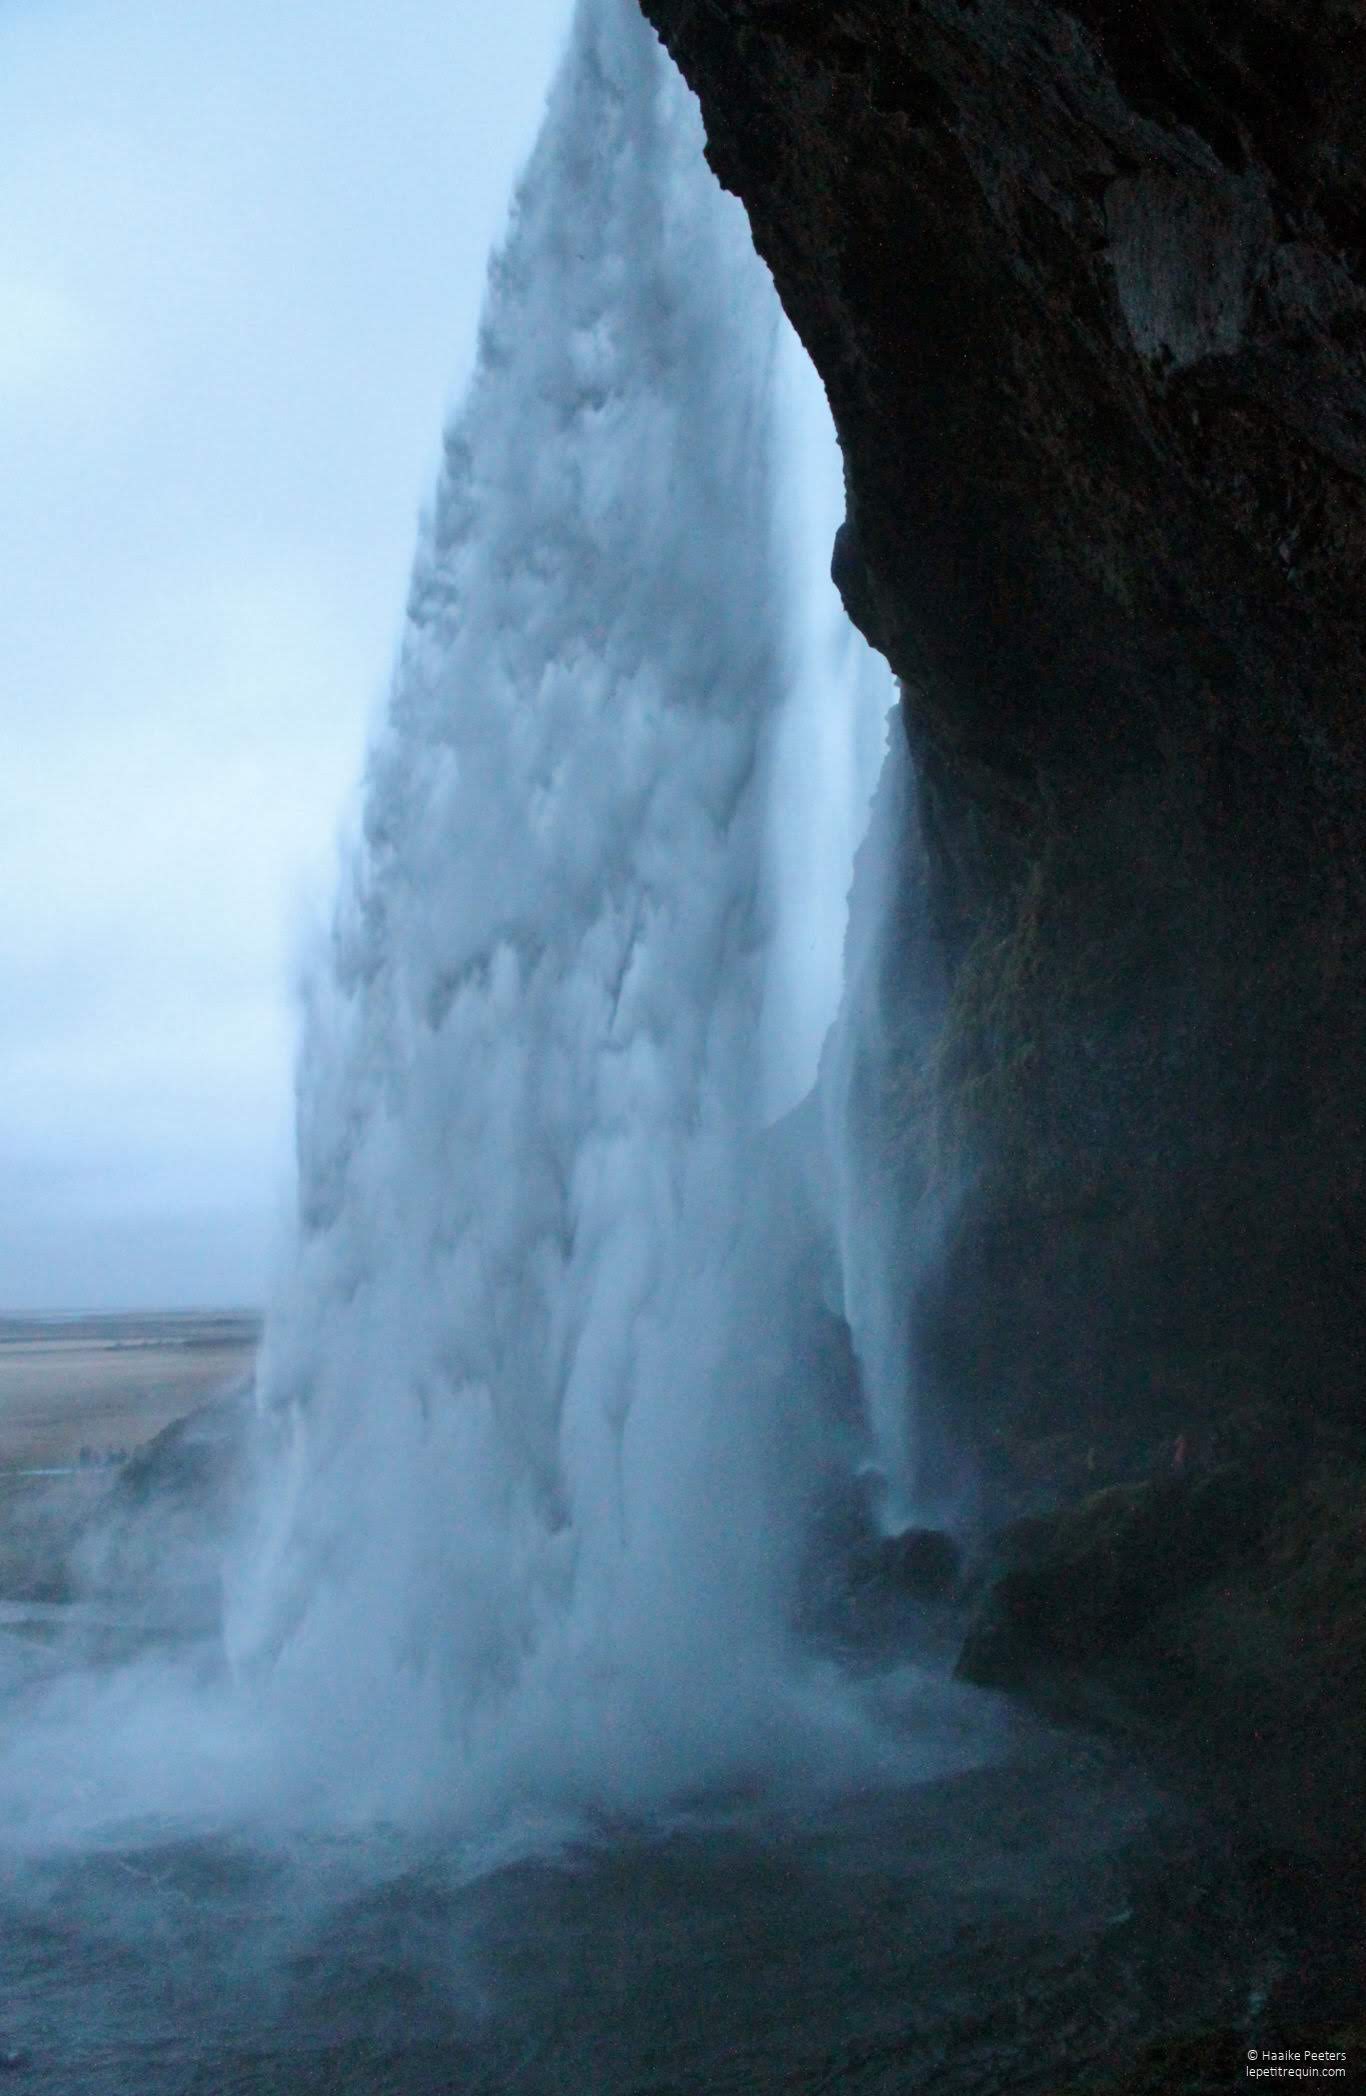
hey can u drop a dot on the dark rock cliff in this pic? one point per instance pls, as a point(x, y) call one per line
point(1086, 284)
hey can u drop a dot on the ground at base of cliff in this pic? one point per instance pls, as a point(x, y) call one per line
point(1220, 2063)
point(1206, 1603)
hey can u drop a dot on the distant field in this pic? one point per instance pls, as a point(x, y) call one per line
point(106, 1383)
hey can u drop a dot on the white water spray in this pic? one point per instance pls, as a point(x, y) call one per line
point(542, 1393)
point(546, 1468)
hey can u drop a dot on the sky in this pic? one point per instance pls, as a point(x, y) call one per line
point(242, 249)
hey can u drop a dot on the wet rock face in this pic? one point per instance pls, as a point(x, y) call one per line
point(1221, 1609)
point(1083, 283)
point(1075, 1588)
point(1087, 287)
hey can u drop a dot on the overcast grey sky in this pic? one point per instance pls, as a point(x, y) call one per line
point(242, 248)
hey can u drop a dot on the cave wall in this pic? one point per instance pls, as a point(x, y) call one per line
point(1086, 285)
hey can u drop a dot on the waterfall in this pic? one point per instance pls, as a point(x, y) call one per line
point(544, 1454)
point(558, 1386)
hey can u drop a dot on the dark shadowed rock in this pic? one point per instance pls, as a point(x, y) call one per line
point(1213, 2063)
point(922, 1564)
point(1222, 1619)
point(1076, 1587)
point(1086, 284)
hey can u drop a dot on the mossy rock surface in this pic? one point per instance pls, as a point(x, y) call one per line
point(1080, 1585)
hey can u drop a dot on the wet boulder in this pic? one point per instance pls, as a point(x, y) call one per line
point(1076, 1587)
point(919, 1564)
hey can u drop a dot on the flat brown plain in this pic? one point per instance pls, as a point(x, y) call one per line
point(107, 1383)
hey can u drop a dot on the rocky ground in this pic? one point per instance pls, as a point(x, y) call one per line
point(1207, 1604)
point(1212, 2064)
